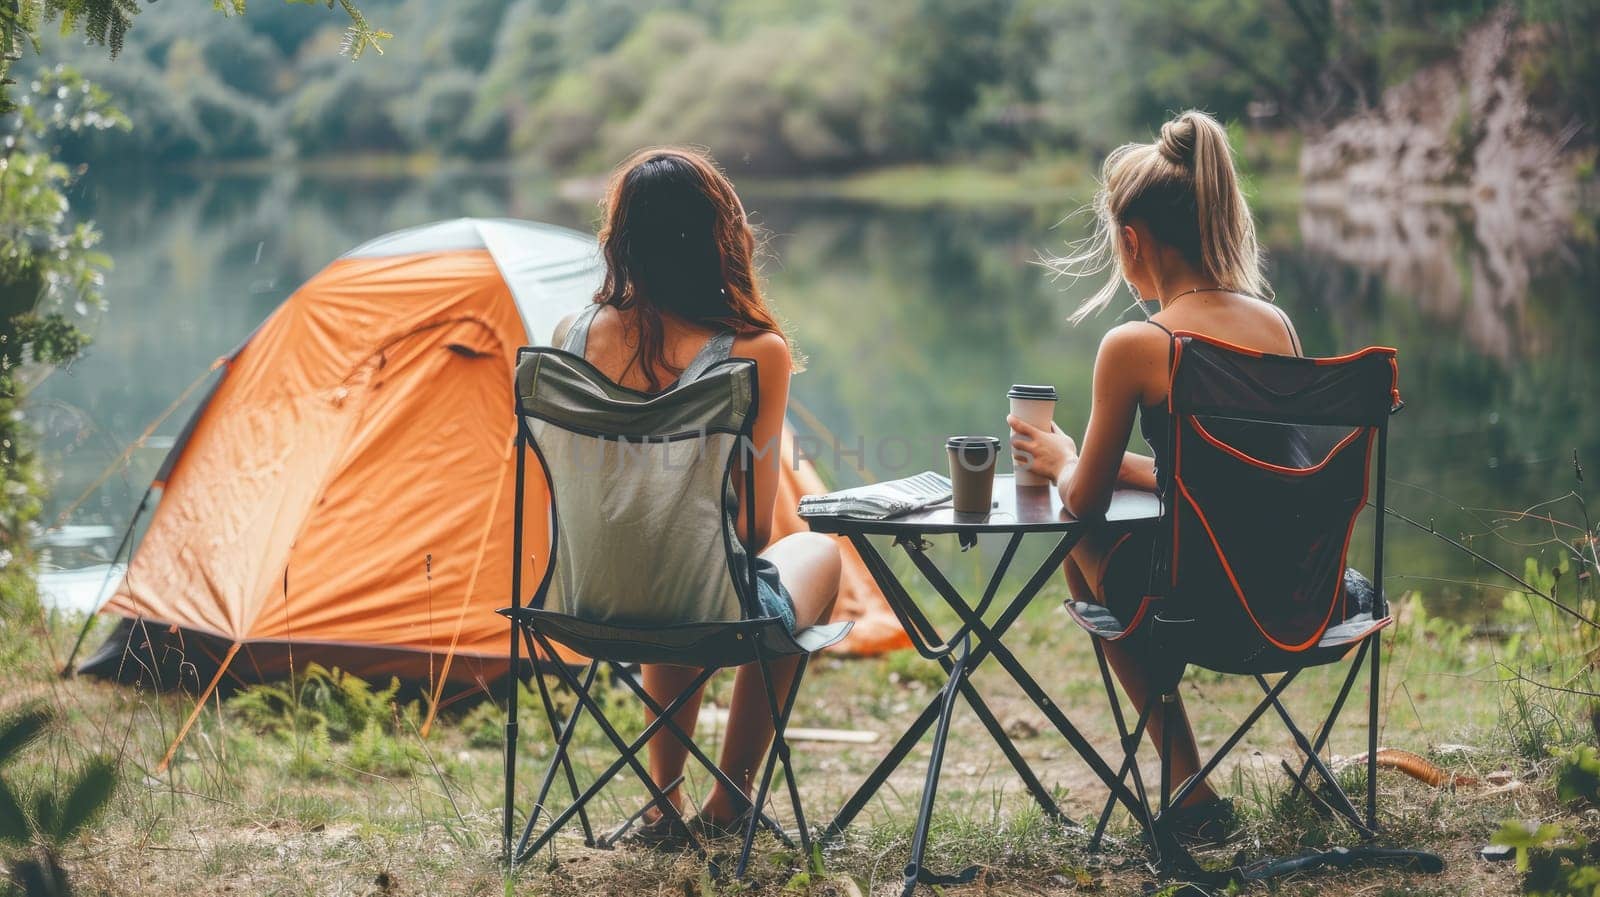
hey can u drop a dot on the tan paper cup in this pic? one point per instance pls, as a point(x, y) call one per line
point(972, 460)
point(1037, 406)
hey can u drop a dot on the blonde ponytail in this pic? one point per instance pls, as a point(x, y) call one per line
point(1184, 187)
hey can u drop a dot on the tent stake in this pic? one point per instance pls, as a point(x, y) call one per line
point(199, 706)
point(472, 585)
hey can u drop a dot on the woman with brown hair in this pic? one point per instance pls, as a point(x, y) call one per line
point(1173, 225)
point(681, 288)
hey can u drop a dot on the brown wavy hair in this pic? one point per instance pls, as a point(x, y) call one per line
point(676, 240)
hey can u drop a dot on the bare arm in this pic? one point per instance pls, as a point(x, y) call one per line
point(1138, 472)
point(771, 355)
point(1120, 370)
point(1125, 363)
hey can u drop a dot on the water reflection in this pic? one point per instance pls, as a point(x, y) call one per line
point(914, 321)
point(1470, 265)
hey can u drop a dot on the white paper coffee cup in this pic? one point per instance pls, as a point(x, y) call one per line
point(1036, 405)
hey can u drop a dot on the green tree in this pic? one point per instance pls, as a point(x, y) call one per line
point(106, 23)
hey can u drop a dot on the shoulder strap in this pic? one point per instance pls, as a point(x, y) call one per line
point(577, 339)
point(1159, 324)
point(716, 349)
point(1294, 338)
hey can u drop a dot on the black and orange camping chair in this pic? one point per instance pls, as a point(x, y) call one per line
point(1272, 458)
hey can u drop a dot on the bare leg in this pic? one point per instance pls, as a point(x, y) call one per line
point(1134, 674)
point(664, 684)
point(809, 566)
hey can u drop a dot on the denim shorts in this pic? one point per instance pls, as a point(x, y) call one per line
point(773, 598)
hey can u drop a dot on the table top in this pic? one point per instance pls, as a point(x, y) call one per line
point(1017, 509)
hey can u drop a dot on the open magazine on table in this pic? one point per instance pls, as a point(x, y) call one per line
point(879, 501)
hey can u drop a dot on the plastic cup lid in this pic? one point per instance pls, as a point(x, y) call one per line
point(972, 443)
point(1032, 392)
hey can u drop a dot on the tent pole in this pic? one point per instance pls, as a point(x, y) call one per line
point(125, 545)
point(199, 705)
point(472, 584)
point(133, 446)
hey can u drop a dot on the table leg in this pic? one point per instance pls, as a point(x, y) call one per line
point(914, 620)
point(981, 709)
point(880, 773)
point(990, 638)
point(930, 785)
point(959, 670)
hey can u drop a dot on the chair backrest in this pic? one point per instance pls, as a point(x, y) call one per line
point(1271, 462)
point(642, 500)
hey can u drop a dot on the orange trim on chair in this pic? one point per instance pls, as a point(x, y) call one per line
point(1266, 465)
point(1238, 590)
point(1257, 353)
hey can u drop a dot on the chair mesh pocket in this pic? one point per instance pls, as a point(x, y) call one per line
point(1264, 514)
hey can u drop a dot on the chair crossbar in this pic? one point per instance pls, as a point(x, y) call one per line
point(628, 752)
point(1272, 700)
point(1342, 800)
point(563, 737)
point(694, 749)
point(628, 755)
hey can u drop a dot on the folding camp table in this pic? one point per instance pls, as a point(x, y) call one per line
point(1018, 512)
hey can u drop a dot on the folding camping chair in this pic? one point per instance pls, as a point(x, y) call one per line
point(1271, 459)
point(644, 566)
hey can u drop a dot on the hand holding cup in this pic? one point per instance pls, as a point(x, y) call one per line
point(1035, 404)
point(1040, 451)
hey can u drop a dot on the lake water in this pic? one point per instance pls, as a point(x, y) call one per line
point(914, 321)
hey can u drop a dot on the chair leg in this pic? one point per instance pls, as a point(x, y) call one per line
point(1130, 753)
point(1372, 733)
point(1342, 800)
point(628, 754)
point(778, 751)
point(566, 759)
point(512, 736)
point(1168, 699)
point(563, 736)
point(1332, 719)
point(801, 828)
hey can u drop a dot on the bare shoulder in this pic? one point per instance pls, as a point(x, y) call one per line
point(559, 336)
point(770, 352)
point(1134, 342)
point(1133, 362)
point(765, 347)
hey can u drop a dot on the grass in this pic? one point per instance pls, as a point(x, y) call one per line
point(366, 807)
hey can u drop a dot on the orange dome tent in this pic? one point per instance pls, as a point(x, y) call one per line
point(342, 495)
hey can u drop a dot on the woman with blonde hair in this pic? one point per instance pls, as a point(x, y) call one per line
point(1171, 223)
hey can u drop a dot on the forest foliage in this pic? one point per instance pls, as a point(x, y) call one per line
point(777, 86)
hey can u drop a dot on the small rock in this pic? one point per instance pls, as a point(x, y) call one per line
point(1021, 728)
point(1498, 853)
point(1499, 777)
